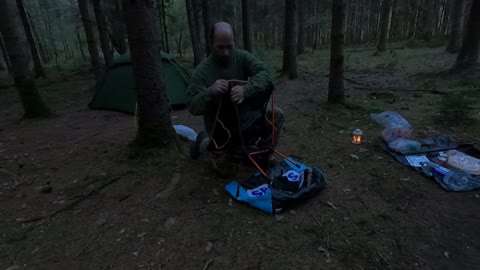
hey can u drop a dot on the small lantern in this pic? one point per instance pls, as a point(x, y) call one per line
point(357, 136)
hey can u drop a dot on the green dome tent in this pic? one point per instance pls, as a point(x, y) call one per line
point(116, 89)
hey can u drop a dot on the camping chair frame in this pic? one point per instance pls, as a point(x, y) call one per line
point(249, 155)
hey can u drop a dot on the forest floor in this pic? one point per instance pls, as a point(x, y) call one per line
point(109, 210)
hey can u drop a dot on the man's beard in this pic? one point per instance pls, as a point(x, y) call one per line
point(223, 60)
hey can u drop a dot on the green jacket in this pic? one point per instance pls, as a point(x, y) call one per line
point(244, 66)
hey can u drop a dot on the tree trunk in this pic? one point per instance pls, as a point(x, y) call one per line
point(376, 27)
point(395, 30)
point(466, 16)
point(103, 32)
point(289, 51)
point(165, 32)
point(427, 20)
point(206, 26)
point(455, 39)
point(197, 9)
point(16, 47)
point(197, 52)
point(154, 122)
point(468, 55)
point(301, 27)
point(37, 62)
point(179, 44)
point(118, 29)
point(80, 44)
point(384, 25)
point(247, 44)
point(42, 50)
point(412, 32)
point(54, 46)
point(43, 10)
point(316, 37)
point(68, 55)
point(5, 55)
point(71, 51)
point(88, 26)
point(52, 41)
point(445, 18)
point(180, 38)
point(337, 65)
point(160, 24)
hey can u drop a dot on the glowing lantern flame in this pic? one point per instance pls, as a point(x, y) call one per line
point(357, 136)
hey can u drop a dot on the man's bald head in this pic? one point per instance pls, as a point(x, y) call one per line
point(221, 29)
point(223, 41)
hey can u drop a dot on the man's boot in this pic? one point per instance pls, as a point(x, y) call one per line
point(200, 145)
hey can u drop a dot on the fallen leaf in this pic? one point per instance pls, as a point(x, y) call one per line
point(76, 212)
point(209, 247)
point(170, 222)
point(476, 196)
point(44, 189)
point(332, 205)
point(136, 253)
point(122, 231)
point(160, 241)
point(446, 254)
point(354, 156)
point(403, 207)
point(321, 249)
point(101, 222)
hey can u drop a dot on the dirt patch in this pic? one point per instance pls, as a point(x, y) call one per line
point(163, 214)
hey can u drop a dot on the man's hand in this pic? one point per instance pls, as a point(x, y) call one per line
point(220, 87)
point(238, 94)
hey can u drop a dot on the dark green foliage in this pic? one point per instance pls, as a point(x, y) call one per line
point(456, 110)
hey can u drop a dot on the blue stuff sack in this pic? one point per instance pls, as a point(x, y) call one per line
point(288, 183)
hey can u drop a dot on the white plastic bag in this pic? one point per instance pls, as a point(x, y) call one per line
point(404, 145)
point(185, 132)
point(395, 126)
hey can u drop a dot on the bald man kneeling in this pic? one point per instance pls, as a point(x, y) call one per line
point(209, 85)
